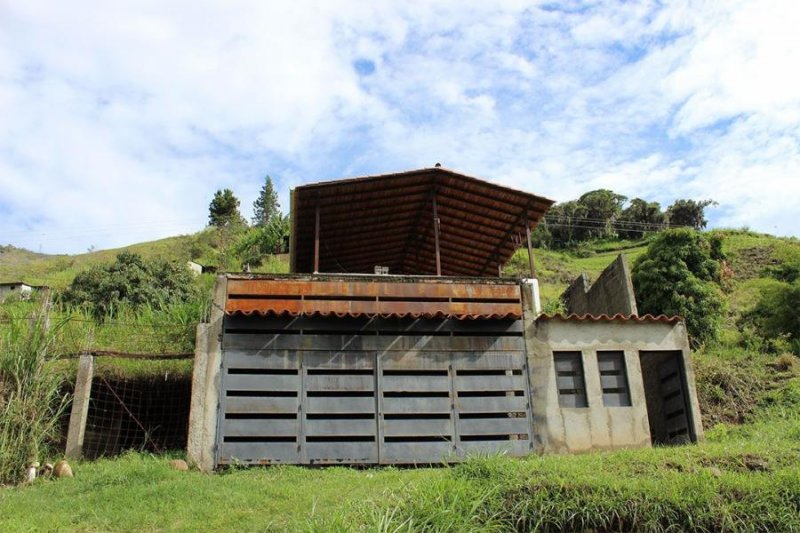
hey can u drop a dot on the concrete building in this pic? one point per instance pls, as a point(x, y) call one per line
point(19, 289)
point(439, 358)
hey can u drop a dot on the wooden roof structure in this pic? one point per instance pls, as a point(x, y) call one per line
point(353, 225)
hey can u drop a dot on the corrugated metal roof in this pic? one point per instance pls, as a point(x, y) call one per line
point(383, 298)
point(615, 318)
point(387, 220)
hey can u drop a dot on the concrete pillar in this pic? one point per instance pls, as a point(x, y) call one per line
point(206, 383)
point(80, 407)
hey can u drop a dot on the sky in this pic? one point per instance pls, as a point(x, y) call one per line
point(119, 120)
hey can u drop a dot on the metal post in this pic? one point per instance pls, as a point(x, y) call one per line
point(80, 407)
point(316, 241)
point(530, 247)
point(436, 237)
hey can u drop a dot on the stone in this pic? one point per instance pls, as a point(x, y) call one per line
point(62, 469)
point(179, 464)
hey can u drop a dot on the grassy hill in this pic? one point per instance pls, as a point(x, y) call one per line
point(744, 477)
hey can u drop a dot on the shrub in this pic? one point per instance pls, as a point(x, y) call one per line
point(130, 280)
point(775, 316)
point(678, 275)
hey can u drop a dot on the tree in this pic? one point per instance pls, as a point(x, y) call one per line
point(130, 280)
point(260, 241)
point(266, 206)
point(689, 213)
point(678, 275)
point(224, 209)
point(640, 217)
point(564, 221)
point(603, 208)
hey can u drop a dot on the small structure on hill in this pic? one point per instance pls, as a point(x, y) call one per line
point(394, 340)
point(19, 289)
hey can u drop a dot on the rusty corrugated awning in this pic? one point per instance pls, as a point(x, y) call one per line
point(387, 220)
point(370, 297)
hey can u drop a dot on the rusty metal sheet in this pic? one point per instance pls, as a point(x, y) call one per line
point(430, 289)
point(397, 206)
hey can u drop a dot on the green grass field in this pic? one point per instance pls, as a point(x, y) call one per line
point(744, 477)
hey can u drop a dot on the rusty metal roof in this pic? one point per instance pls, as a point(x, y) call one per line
point(387, 220)
point(619, 317)
point(371, 297)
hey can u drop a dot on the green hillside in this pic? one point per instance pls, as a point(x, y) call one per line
point(744, 477)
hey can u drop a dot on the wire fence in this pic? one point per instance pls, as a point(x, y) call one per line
point(136, 414)
point(133, 403)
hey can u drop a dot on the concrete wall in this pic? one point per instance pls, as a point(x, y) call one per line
point(21, 290)
point(206, 383)
point(610, 294)
point(559, 429)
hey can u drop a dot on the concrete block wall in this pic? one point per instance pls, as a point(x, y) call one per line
point(610, 294)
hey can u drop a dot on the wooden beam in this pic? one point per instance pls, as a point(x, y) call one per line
point(530, 247)
point(436, 237)
point(316, 240)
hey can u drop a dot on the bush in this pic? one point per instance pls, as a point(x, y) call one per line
point(679, 275)
point(775, 316)
point(130, 280)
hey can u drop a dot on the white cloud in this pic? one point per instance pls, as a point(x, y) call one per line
point(119, 120)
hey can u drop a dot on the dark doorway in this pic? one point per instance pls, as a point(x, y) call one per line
point(664, 378)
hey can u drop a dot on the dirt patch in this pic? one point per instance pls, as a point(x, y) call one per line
point(749, 263)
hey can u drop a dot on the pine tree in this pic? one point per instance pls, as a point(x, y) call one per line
point(266, 206)
point(224, 209)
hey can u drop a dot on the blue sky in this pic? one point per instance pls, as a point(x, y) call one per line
point(119, 120)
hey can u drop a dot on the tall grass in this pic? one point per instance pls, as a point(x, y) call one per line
point(31, 402)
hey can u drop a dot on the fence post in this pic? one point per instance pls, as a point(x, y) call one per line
point(80, 407)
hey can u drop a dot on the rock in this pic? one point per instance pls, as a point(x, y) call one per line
point(62, 469)
point(179, 464)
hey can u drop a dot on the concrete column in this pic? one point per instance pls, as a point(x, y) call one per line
point(206, 383)
point(80, 407)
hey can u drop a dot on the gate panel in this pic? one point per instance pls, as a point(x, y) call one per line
point(673, 394)
point(309, 391)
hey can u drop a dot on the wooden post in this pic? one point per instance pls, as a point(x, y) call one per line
point(316, 240)
point(530, 247)
point(80, 407)
point(436, 237)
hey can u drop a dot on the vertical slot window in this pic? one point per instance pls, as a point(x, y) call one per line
point(614, 379)
point(569, 379)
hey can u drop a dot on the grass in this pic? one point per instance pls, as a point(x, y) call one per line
point(743, 478)
point(30, 400)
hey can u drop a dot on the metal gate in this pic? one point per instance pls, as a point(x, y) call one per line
point(673, 396)
point(371, 391)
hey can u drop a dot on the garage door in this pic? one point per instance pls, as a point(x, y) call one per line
point(371, 391)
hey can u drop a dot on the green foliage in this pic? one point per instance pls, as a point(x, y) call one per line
point(259, 242)
point(266, 206)
point(641, 217)
point(678, 275)
point(30, 400)
point(689, 213)
point(775, 317)
point(603, 208)
point(224, 209)
point(130, 280)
